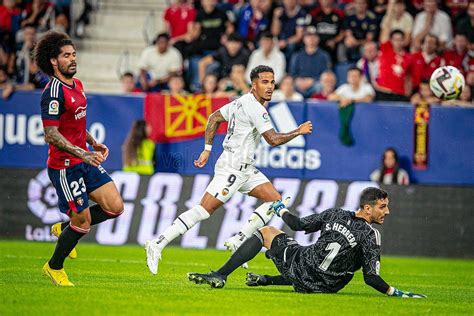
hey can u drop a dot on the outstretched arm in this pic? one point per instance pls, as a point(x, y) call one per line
point(54, 137)
point(371, 267)
point(309, 224)
point(274, 138)
point(213, 123)
point(380, 285)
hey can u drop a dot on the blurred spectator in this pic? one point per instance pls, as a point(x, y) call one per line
point(454, 57)
point(9, 14)
point(390, 171)
point(468, 64)
point(6, 85)
point(288, 25)
point(267, 54)
point(29, 76)
point(379, 7)
point(84, 18)
point(138, 150)
point(158, 63)
point(210, 88)
point(433, 21)
point(397, 18)
point(39, 15)
point(465, 25)
point(424, 94)
point(456, 7)
point(237, 76)
point(176, 85)
point(308, 5)
point(354, 91)
point(225, 87)
point(465, 99)
point(425, 62)
point(127, 81)
point(233, 53)
point(211, 23)
point(328, 84)
point(308, 64)
point(369, 63)
point(328, 21)
point(360, 27)
point(254, 18)
point(286, 91)
point(179, 18)
point(394, 64)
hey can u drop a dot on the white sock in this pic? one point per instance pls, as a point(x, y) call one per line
point(182, 224)
point(258, 219)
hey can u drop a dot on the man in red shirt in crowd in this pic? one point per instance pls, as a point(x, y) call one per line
point(425, 62)
point(394, 63)
point(178, 20)
point(455, 56)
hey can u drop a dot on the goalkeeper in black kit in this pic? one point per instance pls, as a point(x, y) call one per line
point(347, 243)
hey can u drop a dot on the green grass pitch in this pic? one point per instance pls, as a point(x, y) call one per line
point(115, 281)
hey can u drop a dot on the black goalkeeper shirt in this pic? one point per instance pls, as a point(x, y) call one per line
point(347, 243)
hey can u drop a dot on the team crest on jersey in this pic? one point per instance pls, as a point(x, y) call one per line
point(80, 201)
point(225, 191)
point(53, 108)
point(265, 116)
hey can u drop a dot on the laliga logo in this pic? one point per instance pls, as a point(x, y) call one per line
point(43, 200)
point(292, 154)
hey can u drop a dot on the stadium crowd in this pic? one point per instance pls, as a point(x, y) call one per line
point(21, 24)
point(311, 45)
point(210, 46)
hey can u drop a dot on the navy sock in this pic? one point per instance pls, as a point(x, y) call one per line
point(98, 215)
point(66, 242)
point(276, 280)
point(246, 252)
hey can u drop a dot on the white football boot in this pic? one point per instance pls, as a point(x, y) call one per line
point(153, 255)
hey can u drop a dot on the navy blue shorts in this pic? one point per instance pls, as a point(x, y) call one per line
point(73, 184)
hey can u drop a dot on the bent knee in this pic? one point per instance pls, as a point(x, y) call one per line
point(270, 230)
point(115, 207)
point(268, 233)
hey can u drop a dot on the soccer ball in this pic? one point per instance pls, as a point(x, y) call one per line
point(447, 82)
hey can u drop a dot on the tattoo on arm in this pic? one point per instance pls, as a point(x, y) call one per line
point(90, 140)
point(213, 123)
point(274, 139)
point(54, 137)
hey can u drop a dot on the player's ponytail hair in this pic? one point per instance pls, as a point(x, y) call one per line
point(134, 139)
point(50, 47)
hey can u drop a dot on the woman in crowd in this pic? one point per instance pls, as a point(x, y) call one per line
point(390, 171)
point(138, 150)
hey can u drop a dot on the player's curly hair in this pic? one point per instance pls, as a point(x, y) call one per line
point(50, 47)
point(258, 70)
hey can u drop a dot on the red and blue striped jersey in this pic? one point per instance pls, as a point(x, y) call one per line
point(65, 106)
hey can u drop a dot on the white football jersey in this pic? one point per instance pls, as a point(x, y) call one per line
point(248, 119)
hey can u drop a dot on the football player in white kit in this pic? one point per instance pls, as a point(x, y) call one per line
point(234, 170)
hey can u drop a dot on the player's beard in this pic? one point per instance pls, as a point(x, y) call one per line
point(67, 72)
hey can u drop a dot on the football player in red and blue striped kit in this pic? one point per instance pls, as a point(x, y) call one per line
point(74, 170)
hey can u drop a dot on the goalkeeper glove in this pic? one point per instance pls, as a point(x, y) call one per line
point(397, 292)
point(276, 207)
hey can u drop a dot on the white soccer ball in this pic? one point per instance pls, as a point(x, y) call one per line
point(447, 82)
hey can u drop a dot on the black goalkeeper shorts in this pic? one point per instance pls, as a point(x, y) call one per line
point(282, 251)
